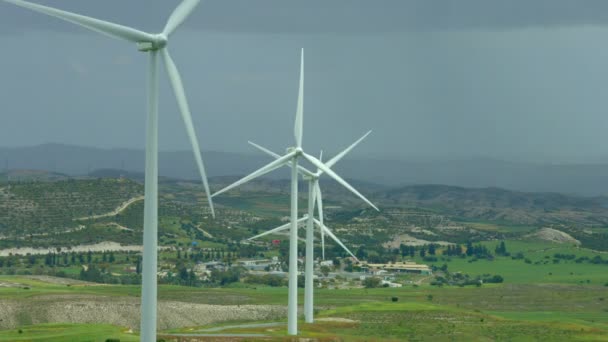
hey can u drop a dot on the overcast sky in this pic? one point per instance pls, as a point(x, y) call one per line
point(515, 80)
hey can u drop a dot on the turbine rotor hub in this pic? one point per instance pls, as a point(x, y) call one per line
point(160, 41)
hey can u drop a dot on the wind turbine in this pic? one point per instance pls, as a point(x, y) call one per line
point(153, 44)
point(314, 194)
point(291, 158)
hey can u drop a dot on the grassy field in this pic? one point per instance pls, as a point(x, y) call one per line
point(540, 300)
point(452, 314)
point(68, 332)
point(556, 312)
point(541, 269)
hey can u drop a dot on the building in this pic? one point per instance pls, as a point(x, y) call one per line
point(259, 265)
point(391, 284)
point(398, 267)
point(328, 263)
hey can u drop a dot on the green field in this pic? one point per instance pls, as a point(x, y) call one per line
point(68, 332)
point(556, 312)
point(541, 270)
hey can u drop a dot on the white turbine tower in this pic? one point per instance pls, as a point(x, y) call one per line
point(314, 195)
point(153, 44)
point(291, 157)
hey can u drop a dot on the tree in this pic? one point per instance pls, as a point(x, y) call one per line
point(89, 257)
point(422, 252)
point(138, 266)
point(501, 249)
point(325, 270)
point(470, 250)
point(183, 274)
point(111, 259)
point(361, 253)
point(371, 282)
point(349, 265)
point(432, 249)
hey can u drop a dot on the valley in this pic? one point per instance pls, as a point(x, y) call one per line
point(505, 265)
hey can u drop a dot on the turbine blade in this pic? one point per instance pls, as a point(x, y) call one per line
point(320, 213)
point(182, 102)
point(100, 26)
point(321, 156)
point(338, 179)
point(319, 196)
point(260, 172)
point(264, 149)
point(301, 169)
point(326, 230)
point(300, 109)
point(340, 155)
point(179, 15)
point(286, 226)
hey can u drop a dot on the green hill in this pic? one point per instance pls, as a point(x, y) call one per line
point(30, 207)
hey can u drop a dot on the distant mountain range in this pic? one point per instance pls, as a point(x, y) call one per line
point(580, 179)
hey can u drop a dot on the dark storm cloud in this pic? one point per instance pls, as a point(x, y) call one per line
point(324, 16)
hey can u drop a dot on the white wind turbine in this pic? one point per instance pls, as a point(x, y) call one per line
point(153, 44)
point(314, 195)
point(291, 158)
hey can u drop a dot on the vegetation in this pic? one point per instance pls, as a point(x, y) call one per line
point(494, 277)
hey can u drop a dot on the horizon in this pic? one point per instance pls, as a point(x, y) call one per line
point(561, 160)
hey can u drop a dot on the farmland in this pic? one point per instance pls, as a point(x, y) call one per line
point(501, 312)
point(552, 286)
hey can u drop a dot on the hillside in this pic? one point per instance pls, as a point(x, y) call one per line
point(584, 179)
point(94, 210)
point(35, 207)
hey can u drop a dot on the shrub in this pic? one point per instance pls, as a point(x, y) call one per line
point(396, 299)
point(112, 340)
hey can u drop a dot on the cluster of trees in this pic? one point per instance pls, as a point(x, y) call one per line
point(266, 279)
point(479, 250)
point(462, 279)
point(597, 241)
point(59, 259)
point(412, 251)
point(97, 274)
point(229, 276)
point(597, 260)
point(453, 250)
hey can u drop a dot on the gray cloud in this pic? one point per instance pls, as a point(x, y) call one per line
point(324, 16)
point(534, 93)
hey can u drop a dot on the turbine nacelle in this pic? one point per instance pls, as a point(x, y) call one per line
point(160, 41)
point(298, 151)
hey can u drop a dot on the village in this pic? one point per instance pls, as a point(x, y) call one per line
point(347, 272)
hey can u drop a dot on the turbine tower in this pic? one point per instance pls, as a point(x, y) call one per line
point(314, 195)
point(291, 158)
point(153, 44)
